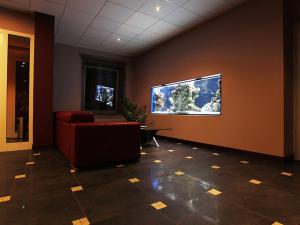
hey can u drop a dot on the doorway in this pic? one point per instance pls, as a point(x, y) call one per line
point(16, 90)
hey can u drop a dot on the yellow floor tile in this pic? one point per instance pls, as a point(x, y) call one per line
point(77, 188)
point(214, 192)
point(76, 222)
point(82, 221)
point(134, 180)
point(171, 150)
point(244, 162)
point(20, 176)
point(37, 154)
point(143, 153)
point(157, 161)
point(286, 174)
point(189, 157)
point(216, 153)
point(277, 223)
point(120, 166)
point(5, 199)
point(253, 181)
point(85, 221)
point(179, 173)
point(158, 205)
point(29, 163)
point(215, 167)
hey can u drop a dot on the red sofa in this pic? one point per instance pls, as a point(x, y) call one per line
point(87, 143)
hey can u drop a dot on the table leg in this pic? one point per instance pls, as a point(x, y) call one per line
point(157, 145)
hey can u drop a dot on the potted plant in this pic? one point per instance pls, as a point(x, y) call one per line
point(132, 112)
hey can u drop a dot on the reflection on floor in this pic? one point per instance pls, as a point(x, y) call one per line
point(13, 140)
point(187, 186)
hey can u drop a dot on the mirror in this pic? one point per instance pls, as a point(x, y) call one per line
point(17, 114)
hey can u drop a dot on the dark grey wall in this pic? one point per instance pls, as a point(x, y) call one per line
point(67, 81)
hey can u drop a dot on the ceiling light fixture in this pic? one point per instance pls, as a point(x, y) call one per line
point(118, 39)
point(157, 8)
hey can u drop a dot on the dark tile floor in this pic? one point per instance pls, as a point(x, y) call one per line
point(107, 196)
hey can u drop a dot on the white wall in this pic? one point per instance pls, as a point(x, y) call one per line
point(67, 77)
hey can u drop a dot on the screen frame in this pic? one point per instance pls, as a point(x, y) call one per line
point(186, 81)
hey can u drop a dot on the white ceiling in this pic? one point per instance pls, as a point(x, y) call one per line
point(124, 27)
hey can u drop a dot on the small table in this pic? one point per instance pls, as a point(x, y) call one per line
point(148, 134)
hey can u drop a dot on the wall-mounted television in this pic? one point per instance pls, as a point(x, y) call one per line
point(200, 96)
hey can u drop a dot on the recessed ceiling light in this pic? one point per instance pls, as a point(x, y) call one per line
point(118, 39)
point(157, 8)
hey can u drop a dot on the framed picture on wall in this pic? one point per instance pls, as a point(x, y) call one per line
point(103, 86)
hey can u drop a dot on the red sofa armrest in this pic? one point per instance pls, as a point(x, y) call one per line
point(104, 143)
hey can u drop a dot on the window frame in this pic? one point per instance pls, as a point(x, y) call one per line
point(88, 61)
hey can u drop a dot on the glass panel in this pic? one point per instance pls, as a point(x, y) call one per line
point(17, 111)
point(100, 88)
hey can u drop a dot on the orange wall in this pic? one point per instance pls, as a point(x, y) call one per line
point(42, 26)
point(15, 21)
point(246, 46)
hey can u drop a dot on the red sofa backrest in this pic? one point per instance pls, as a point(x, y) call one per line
point(75, 116)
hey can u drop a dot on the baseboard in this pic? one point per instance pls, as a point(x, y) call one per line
point(42, 147)
point(289, 158)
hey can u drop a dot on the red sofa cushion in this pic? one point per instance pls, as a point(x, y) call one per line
point(75, 116)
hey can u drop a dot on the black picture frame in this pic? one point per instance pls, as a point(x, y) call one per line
point(120, 67)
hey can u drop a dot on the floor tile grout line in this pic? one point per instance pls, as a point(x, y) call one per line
point(156, 198)
point(125, 214)
point(170, 219)
point(168, 166)
point(263, 216)
point(74, 193)
point(79, 205)
point(287, 193)
point(14, 180)
point(251, 210)
point(235, 202)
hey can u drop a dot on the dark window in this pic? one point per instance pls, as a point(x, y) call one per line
point(103, 86)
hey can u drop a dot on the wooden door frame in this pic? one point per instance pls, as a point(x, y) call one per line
point(4, 146)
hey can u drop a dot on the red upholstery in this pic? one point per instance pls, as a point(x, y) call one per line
point(75, 116)
point(88, 144)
